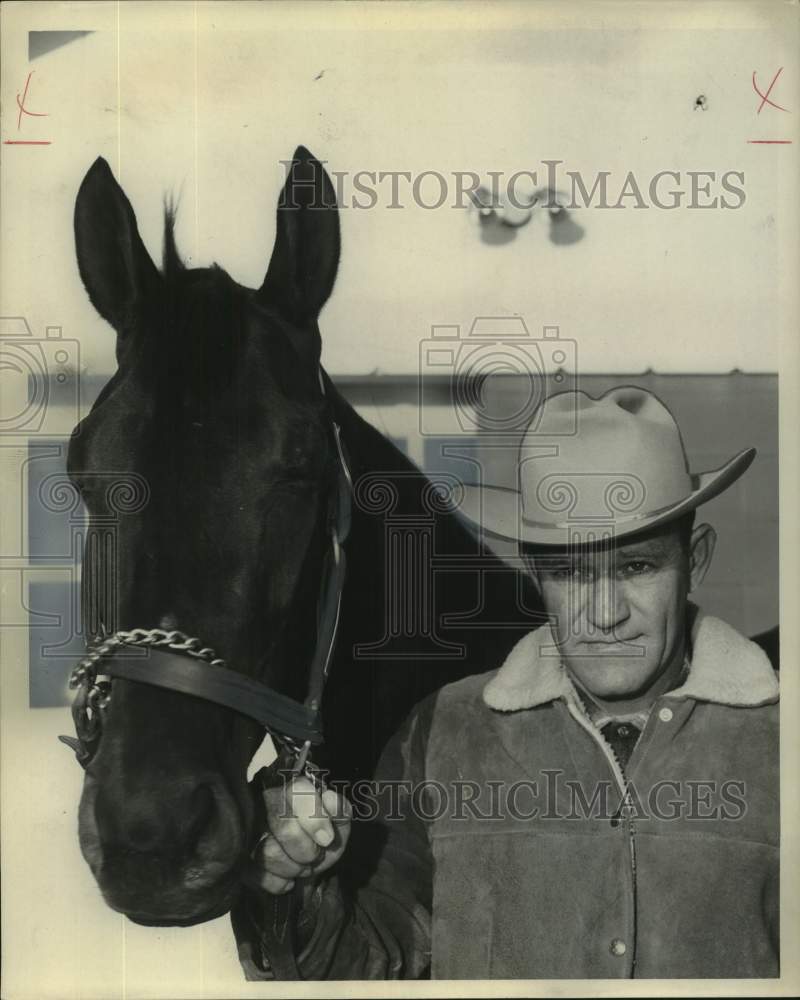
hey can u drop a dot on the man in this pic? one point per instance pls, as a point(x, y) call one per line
point(604, 804)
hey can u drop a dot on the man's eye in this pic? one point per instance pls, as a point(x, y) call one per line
point(569, 573)
point(636, 567)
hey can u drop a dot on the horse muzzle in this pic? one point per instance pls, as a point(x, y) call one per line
point(172, 858)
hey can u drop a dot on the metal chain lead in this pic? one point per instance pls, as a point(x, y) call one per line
point(157, 638)
point(94, 695)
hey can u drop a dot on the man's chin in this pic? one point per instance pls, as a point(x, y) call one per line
point(614, 673)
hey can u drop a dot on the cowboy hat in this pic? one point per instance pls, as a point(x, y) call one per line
point(591, 468)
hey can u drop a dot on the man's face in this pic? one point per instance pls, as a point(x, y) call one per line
point(619, 612)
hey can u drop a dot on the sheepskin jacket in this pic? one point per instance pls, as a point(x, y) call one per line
point(511, 845)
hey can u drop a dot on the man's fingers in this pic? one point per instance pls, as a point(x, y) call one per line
point(276, 861)
point(340, 812)
point(337, 807)
point(309, 808)
point(282, 803)
point(257, 878)
point(277, 886)
point(298, 819)
point(308, 830)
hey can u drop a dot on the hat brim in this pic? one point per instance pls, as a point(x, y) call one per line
point(497, 511)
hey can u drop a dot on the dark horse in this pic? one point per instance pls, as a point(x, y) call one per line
point(220, 408)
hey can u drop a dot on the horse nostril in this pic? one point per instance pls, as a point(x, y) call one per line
point(217, 831)
point(199, 819)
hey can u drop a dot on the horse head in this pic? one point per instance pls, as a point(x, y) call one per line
point(217, 410)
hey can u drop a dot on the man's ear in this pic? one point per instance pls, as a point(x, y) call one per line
point(701, 552)
point(529, 568)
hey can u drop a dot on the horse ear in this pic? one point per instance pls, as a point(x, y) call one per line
point(114, 264)
point(305, 257)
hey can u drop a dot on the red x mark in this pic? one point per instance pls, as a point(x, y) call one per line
point(24, 111)
point(765, 97)
point(21, 104)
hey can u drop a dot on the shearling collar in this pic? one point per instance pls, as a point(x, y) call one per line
point(725, 668)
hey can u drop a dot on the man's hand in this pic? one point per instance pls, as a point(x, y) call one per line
point(308, 833)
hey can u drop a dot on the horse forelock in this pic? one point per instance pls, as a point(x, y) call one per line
point(171, 258)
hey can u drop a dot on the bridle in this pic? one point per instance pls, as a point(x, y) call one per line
point(173, 661)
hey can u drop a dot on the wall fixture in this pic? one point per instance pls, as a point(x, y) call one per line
point(500, 216)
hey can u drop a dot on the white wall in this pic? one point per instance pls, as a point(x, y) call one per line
point(206, 100)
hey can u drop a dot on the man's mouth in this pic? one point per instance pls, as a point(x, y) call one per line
point(615, 643)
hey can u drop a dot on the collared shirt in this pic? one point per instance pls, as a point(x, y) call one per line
point(621, 731)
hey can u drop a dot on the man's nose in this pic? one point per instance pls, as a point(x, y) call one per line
point(607, 605)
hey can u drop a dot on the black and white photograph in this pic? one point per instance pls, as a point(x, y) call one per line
point(397, 402)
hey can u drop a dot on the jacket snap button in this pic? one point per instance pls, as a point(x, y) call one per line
point(665, 714)
point(618, 947)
